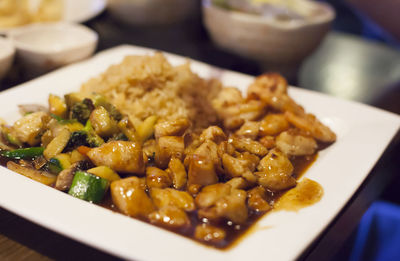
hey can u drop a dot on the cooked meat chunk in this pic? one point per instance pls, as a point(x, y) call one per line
point(232, 207)
point(239, 167)
point(209, 195)
point(273, 124)
point(157, 178)
point(275, 181)
point(268, 142)
point(209, 149)
point(234, 110)
point(267, 85)
point(295, 144)
point(251, 110)
point(272, 89)
point(201, 171)
point(177, 172)
point(130, 197)
point(246, 144)
point(252, 160)
point(225, 147)
point(221, 201)
point(257, 200)
point(123, 156)
point(149, 148)
point(310, 123)
point(275, 171)
point(203, 164)
point(102, 122)
point(238, 183)
point(209, 233)
point(169, 147)
point(236, 115)
point(226, 97)
point(171, 128)
point(172, 197)
point(275, 161)
point(30, 127)
point(249, 129)
point(171, 217)
point(213, 133)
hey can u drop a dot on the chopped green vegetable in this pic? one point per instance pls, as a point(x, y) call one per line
point(99, 100)
point(26, 153)
point(78, 138)
point(88, 187)
point(93, 139)
point(59, 163)
point(81, 110)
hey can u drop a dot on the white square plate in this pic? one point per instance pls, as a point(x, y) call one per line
point(363, 134)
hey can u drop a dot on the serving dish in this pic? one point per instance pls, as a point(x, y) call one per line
point(276, 233)
point(73, 11)
point(276, 44)
point(42, 47)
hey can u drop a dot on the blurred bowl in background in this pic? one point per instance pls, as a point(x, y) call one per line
point(278, 44)
point(43, 47)
point(7, 52)
point(152, 12)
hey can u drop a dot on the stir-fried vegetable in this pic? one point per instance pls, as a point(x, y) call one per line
point(88, 187)
point(40, 176)
point(92, 139)
point(81, 110)
point(25, 153)
point(146, 129)
point(105, 173)
point(99, 100)
point(57, 106)
point(59, 163)
point(57, 145)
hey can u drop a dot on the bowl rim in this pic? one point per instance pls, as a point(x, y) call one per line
point(13, 35)
point(260, 20)
point(9, 49)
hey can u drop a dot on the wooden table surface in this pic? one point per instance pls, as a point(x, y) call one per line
point(344, 66)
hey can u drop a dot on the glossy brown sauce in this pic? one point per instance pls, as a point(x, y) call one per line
point(306, 193)
point(234, 232)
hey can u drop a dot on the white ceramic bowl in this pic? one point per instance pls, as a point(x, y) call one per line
point(152, 12)
point(7, 52)
point(271, 41)
point(43, 47)
point(76, 11)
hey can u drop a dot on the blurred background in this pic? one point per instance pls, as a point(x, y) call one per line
point(350, 49)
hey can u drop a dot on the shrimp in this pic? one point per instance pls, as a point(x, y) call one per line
point(309, 123)
point(273, 124)
point(271, 89)
point(294, 144)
